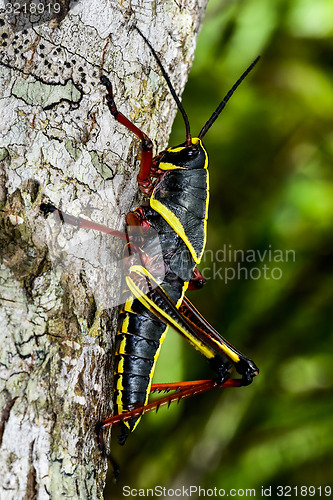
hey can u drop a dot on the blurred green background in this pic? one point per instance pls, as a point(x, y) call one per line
point(271, 174)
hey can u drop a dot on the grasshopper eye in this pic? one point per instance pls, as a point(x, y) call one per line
point(191, 152)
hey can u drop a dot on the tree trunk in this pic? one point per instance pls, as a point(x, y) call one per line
point(59, 292)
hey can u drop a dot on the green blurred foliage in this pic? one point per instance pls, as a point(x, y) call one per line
point(271, 189)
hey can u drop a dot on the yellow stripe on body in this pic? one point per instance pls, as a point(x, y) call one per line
point(177, 226)
point(149, 304)
point(119, 400)
point(194, 140)
point(170, 217)
point(122, 347)
point(151, 374)
point(124, 325)
point(128, 305)
point(120, 367)
point(169, 166)
point(176, 150)
point(119, 385)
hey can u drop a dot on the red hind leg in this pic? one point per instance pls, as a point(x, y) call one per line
point(182, 390)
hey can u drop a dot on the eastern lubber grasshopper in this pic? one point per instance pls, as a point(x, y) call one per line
point(176, 182)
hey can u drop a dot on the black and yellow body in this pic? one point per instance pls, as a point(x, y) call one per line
point(177, 211)
point(177, 184)
point(166, 238)
point(165, 241)
point(181, 196)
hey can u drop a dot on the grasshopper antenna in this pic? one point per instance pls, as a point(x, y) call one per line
point(172, 90)
point(224, 101)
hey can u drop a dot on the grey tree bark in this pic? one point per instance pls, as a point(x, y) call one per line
point(58, 291)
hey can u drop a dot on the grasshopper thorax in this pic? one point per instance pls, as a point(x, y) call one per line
point(185, 157)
